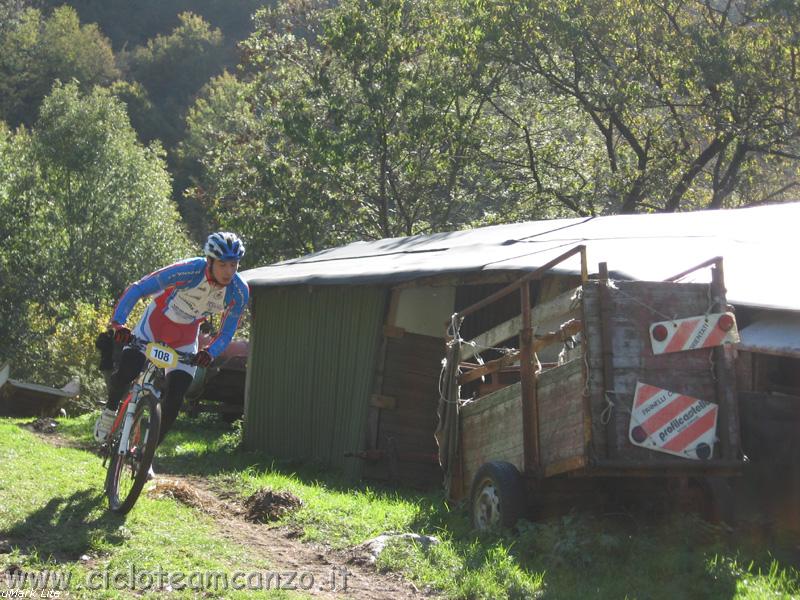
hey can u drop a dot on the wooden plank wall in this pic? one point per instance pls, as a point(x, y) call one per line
point(561, 421)
point(410, 377)
point(491, 429)
point(771, 482)
point(633, 307)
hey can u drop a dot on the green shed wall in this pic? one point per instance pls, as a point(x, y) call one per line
point(311, 372)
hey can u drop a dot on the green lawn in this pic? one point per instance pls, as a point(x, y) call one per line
point(52, 510)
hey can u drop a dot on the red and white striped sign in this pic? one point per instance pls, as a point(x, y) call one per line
point(673, 423)
point(705, 331)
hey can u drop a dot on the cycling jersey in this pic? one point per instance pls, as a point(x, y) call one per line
point(183, 295)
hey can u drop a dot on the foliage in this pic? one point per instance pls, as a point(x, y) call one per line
point(35, 50)
point(383, 118)
point(11, 12)
point(222, 109)
point(130, 24)
point(686, 102)
point(105, 188)
point(85, 210)
point(363, 120)
point(172, 68)
point(69, 349)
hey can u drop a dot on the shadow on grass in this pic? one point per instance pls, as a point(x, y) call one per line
point(67, 527)
point(194, 447)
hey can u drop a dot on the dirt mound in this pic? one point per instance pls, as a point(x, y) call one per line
point(267, 505)
point(183, 493)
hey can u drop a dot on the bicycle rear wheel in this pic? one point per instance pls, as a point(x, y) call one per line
point(127, 473)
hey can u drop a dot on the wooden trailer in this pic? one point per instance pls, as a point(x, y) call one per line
point(643, 387)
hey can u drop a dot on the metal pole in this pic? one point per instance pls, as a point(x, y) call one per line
point(717, 260)
point(530, 412)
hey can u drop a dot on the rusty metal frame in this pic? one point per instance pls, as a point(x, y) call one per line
point(530, 407)
point(724, 371)
point(532, 276)
point(716, 261)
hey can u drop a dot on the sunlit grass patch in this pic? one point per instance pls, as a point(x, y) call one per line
point(54, 516)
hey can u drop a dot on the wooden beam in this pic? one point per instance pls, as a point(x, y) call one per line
point(561, 306)
point(518, 285)
point(566, 330)
point(569, 328)
point(394, 303)
point(490, 367)
point(725, 376)
point(604, 305)
point(530, 407)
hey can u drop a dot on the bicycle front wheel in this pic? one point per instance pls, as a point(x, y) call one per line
point(127, 472)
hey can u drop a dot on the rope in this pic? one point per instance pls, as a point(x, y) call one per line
point(454, 332)
point(605, 416)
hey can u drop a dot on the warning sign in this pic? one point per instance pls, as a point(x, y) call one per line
point(673, 423)
point(704, 331)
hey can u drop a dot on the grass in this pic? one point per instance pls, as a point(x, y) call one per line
point(53, 511)
point(56, 509)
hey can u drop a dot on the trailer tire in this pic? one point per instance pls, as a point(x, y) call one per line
point(497, 496)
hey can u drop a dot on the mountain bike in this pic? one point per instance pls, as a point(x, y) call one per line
point(132, 440)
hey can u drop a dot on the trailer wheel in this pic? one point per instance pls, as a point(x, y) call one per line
point(497, 497)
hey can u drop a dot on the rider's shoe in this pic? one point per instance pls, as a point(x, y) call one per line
point(150, 473)
point(103, 424)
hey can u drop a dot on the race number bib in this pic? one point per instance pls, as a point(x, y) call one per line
point(161, 356)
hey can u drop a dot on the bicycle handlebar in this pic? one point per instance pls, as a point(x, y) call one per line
point(188, 358)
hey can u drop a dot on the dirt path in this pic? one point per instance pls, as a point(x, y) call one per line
point(336, 574)
point(281, 549)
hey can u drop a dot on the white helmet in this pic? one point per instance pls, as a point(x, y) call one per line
point(224, 245)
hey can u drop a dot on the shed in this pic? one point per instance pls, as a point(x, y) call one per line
point(346, 343)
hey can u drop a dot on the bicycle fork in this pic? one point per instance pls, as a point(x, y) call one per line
point(128, 423)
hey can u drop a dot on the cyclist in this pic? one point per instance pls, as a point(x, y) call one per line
point(184, 294)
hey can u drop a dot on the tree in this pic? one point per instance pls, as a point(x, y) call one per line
point(85, 210)
point(11, 12)
point(172, 69)
point(222, 110)
point(35, 51)
point(366, 117)
point(130, 24)
point(685, 99)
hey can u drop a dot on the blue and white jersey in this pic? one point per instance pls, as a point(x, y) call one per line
point(183, 296)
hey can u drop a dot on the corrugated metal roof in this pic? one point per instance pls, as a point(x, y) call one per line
point(772, 333)
point(758, 246)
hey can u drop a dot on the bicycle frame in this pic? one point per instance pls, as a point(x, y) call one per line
point(136, 429)
point(145, 382)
